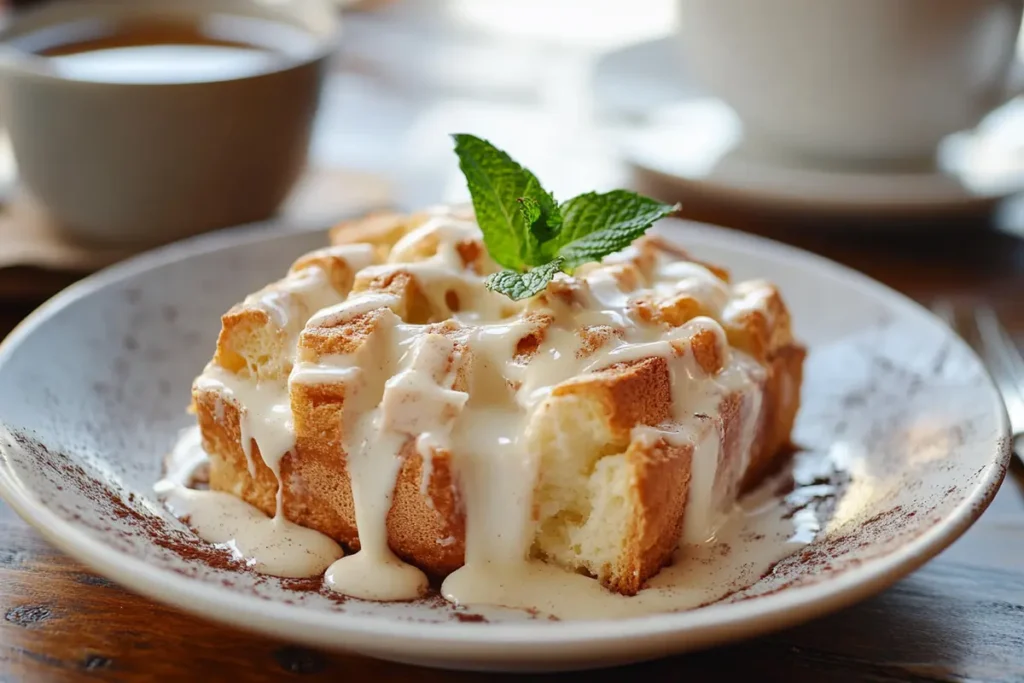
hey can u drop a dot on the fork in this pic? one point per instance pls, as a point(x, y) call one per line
point(979, 326)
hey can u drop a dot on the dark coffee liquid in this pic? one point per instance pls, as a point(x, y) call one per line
point(219, 47)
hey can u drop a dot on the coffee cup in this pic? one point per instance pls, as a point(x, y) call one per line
point(863, 82)
point(143, 121)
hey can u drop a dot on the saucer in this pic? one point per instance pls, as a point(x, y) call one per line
point(692, 143)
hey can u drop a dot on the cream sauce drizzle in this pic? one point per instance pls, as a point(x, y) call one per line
point(382, 425)
point(265, 414)
point(757, 533)
point(403, 397)
point(761, 530)
point(290, 302)
point(271, 545)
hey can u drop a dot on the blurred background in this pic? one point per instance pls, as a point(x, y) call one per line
point(589, 95)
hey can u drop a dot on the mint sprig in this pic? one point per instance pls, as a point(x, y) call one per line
point(595, 225)
point(530, 234)
point(497, 183)
point(516, 285)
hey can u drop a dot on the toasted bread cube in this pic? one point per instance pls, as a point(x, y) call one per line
point(757, 321)
point(595, 488)
point(340, 262)
point(425, 524)
point(258, 336)
point(413, 305)
point(381, 230)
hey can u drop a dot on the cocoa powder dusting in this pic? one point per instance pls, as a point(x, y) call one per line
point(467, 617)
point(312, 585)
point(122, 505)
point(133, 520)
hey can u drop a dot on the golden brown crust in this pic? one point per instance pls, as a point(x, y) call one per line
point(329, 340)
point(382, 229)
point(426, 527)
point(219, 423)
point(660, 488)
point(428, 530)
point(318, 466)
point(426, 523)
point(629, 394)
point(780, 404)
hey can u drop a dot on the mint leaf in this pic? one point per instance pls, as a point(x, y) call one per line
point(545, 227)
point(533, 237)
point(530, 208)
point(596, 225)
point(518, 286)
point(496, 184)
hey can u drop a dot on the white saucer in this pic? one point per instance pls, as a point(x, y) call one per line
point(690, 143)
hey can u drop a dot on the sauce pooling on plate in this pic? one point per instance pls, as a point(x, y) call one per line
point(759, 532)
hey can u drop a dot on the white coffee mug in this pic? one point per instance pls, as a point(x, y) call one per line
point(854, 81)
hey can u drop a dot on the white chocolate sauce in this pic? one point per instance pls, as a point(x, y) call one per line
point(374, 441)
point(401, 397)
point(265, 419)
point(299, 294)
point(757, 534)
point(270, 545)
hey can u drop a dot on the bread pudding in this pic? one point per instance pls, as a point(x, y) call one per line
point(380, 395)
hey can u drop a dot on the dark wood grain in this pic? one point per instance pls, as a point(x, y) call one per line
point(960, 618)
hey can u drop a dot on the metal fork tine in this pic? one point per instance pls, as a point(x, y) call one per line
point(1013, 356)
point(1005, 362)
point(986, 335)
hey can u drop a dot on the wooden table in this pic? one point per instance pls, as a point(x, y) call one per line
point(959, 618)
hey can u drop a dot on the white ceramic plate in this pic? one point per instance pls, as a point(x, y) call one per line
point(93, 388)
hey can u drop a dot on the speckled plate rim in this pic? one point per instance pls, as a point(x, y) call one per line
point(467, 645)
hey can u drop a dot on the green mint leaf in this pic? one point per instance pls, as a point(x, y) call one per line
point(596, 225)
point(530, 208)
point(543, 219)
point(546, 227)
point(496, 183)
point(533, 237)
point(542, 216)
point(518, 286)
